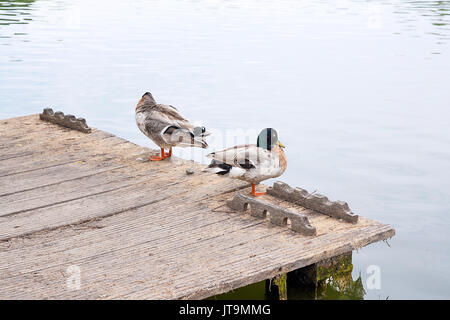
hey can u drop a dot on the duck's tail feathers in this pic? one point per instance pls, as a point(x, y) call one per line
point(206, 133)
point(200, 132)
point(222, 169)
point(218, 167)
point(183, 138)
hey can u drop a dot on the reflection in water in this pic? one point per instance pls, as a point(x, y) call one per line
point(340, 288)
point(430, 8)
point(331, 280)
point(438, 12)
point(15, 12)
point(337, 287)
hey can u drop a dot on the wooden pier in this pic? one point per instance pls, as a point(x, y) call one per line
point(133, 229)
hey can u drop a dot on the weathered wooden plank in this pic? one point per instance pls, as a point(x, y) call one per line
point(79, 191)
point(188, 262)
point(35, 163)
point(155, 238)
point(62, 150)
point(55, 175)
point(101, 205)
point(202, 221)
point(137, 230)
point(196, 250)
point(104, 181)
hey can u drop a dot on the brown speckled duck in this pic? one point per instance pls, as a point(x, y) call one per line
point(251, 163)
point(167, 127)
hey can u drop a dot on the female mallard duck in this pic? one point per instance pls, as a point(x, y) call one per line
point(251, 163)
point(167, 127)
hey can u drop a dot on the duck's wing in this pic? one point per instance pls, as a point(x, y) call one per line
point(169, 115)
point(245, 156)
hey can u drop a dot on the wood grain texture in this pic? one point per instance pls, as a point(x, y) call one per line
point(138, 230)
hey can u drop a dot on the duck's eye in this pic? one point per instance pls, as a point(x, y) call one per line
point(203, 129)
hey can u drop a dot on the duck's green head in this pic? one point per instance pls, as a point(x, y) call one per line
point(268, 138)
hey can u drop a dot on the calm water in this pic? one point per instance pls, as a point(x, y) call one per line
point(358, 90)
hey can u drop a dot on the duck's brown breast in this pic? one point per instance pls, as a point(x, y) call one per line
point(283, 160)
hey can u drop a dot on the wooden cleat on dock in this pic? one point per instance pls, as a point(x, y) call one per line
point(316, 202)
point(68, 121)
point(277, 215)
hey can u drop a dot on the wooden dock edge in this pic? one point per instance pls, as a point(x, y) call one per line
point(375, 234)
point(385, 234)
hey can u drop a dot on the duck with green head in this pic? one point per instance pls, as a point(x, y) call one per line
point(251, 163)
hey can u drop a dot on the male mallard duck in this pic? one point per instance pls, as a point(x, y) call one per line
point(251, 163)
point(167, 127)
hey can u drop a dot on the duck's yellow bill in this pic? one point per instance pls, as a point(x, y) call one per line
point(280, 144)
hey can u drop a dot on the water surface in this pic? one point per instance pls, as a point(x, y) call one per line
point(358, 90)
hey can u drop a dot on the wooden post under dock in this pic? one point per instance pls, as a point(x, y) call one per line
point(82, 218)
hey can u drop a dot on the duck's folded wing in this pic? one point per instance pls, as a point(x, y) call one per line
point(169, 115)
point(245, 156)
point(181, 137)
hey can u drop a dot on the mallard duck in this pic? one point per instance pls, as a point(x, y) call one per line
point(251, 163)
point(167, 127)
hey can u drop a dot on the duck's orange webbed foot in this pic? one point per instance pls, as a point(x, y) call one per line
point(256, 194)
point(160, 157)
point(168, 154)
